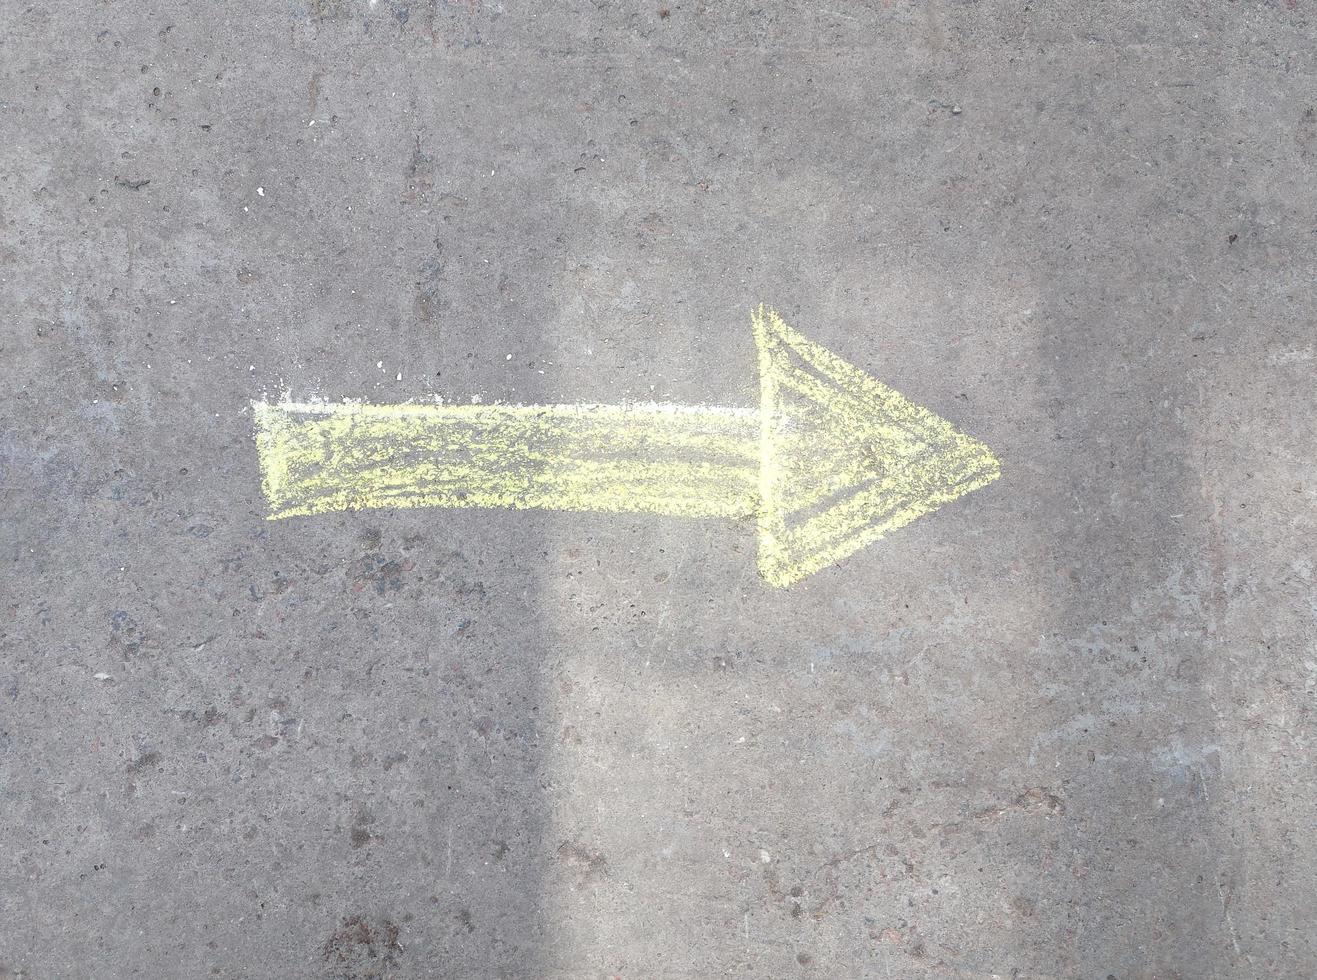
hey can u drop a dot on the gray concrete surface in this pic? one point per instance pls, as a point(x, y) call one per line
point(1062, 728)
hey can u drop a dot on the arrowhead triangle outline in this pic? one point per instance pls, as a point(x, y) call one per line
point(844, 458)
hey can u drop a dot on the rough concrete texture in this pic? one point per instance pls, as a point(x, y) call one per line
point(1061, 728)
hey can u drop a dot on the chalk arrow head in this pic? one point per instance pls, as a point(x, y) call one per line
point(844, 458)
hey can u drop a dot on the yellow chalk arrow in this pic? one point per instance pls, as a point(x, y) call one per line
point(830, 461)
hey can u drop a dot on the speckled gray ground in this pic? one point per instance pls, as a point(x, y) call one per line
point(1062, 728)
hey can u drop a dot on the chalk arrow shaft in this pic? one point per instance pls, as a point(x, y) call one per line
point(657, 459)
